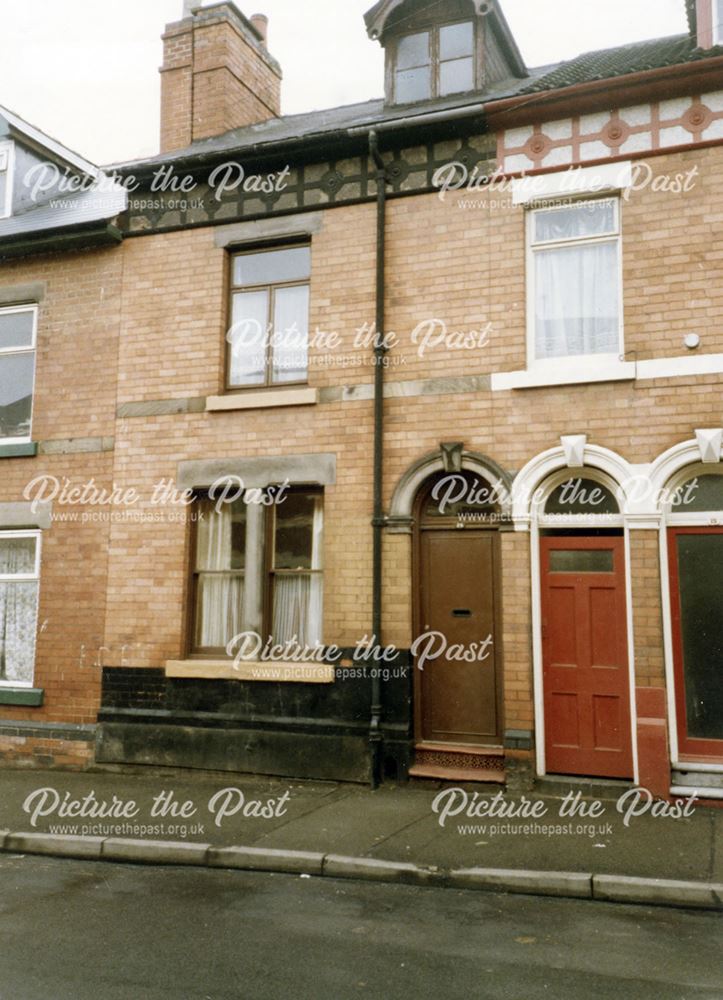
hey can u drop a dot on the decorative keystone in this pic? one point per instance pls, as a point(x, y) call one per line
point(709, 443)
point(574, 447)
point(452, 455)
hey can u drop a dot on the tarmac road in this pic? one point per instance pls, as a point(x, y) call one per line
point(75, 930)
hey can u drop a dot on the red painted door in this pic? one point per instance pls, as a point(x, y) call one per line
point(585, 657)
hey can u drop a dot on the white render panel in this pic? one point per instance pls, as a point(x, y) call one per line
point(518, 136)
point(638, 115)
point(591, 124)
point(557, 157)
point(675, 136)
point(594, 150)
point(559, 130)
point(674, 108)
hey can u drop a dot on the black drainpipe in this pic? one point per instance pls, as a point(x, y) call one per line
point(378, 520)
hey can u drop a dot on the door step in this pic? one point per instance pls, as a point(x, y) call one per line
point(443, 762)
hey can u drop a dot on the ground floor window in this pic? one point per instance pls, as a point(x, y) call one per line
point(19, 582)
point(258, 567)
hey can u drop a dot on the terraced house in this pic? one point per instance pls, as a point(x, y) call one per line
point(424, 393)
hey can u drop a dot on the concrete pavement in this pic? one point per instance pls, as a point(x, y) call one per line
point(399, 825)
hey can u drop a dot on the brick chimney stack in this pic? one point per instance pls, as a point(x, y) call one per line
point(708, 14)
point(217, 74)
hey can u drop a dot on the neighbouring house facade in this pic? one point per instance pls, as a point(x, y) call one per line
point(379, 441)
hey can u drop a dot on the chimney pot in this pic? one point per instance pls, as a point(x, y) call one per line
point(261, 23)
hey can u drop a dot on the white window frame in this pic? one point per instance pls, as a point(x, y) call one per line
point(32, 349)
point(574, 364)
point(7, 166)
point(33, 577)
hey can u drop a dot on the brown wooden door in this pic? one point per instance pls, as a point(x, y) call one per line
point(457, 701)
point(585, 657)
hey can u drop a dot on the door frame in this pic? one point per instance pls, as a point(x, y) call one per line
point(714, 760)
point(538, 522)
point(686, 468)
point(450, 525)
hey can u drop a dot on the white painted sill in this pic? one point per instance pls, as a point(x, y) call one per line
point(284, 672)
point(603, 369)
point(265, 399)
point(562, 373)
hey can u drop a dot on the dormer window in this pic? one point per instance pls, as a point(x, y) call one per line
point(6, 179)
point(435, 63)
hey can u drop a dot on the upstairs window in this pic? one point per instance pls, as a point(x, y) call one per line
point(718, 26)
point(268, 342)
point(6, 176)
point(435, 63)
point(19, 582)
point(574, 271)
point(17, 372)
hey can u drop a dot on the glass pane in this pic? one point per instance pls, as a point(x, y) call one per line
point(298, 608)
point(581, 496)
point(456, 76)
point(297, 536)
point(17, 555)
point(291, 334)
point(221, 536)
point(456, 40)
point(413, 50)
point(576, 292)
point(16, 394)
point(219, 609)
point(18, 625)
point(16, 328)
point(587, 218)
point(700, 568)
point(273, 266)
point(3, 191)
point(461, 496)
point(247, 337)
point(701, 493)
point(413, 85)
point(581, 561)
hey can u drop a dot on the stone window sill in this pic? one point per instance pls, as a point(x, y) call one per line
point(263, 399)
point(30, 697)
point(248, 670)
point(25, 449)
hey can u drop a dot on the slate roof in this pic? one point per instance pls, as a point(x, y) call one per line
point(310, 124)
point(60, 211)
point(603, 64)
point(606, 64)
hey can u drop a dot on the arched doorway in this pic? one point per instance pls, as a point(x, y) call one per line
point(457, 627)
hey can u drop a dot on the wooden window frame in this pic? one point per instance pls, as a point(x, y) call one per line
point(266, 568)
point(271, 288)
point(192, 650)
point(433, 30)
